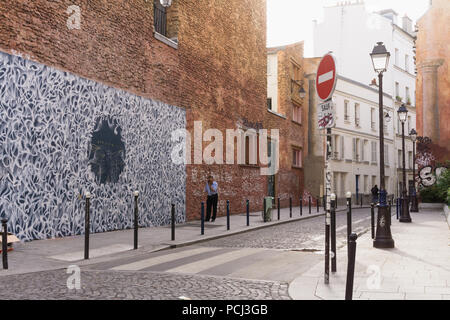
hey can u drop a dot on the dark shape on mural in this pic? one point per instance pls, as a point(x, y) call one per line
point(107, 152)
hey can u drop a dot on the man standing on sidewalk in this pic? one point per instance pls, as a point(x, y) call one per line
point(211, 189)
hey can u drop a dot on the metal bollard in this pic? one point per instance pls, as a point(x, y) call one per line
point(333, 232)
point(87, 220)
point(5, 243)
point(202, 219)
point(228, 214)
point(372, 220)
point(317, 204)
point(136, 224)
point(290, 207)
point(248, 213)
point(349, 214)
point(309, 205)
point(278, 207)
point(351, 267)
point(173, 222)
point(327, 247)
point(361, 199)
point(301, 206)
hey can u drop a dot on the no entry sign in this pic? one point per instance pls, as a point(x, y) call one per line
point(326, 77)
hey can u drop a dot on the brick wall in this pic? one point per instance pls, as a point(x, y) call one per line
point(289, 180)
point(218, 72)
point(433, 78)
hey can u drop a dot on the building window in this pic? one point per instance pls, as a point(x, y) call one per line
point(407, 96)
point(374, 151)
point(397, 90)
point(396, 57)
point(297, 158)
point(166, 20)
point(346, 116)
point(297, 113)
point(269, 103)
point(356, 149)
point(372, 118)
point(400, 158)
point(406, 63)
point(357, 121)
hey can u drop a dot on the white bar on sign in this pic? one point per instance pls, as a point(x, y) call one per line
point(325, 77)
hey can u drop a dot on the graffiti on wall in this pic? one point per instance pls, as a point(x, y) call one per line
point(428, 159)
point(62, 135)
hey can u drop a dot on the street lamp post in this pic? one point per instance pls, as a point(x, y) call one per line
point(383, 239)
point(404, 214)
point(414, 204)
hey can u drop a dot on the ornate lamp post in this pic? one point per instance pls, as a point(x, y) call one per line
point(404, 214)
point(383, 239)
point(414, 204)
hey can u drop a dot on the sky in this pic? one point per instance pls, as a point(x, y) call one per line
point(290, 21)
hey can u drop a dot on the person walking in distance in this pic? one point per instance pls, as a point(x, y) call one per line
point(374, 194)
point(211, 189)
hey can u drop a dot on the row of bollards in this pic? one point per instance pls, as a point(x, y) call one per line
point(87, 223)
point(330, 243)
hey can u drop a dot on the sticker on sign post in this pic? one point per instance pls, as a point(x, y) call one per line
point(326, 116)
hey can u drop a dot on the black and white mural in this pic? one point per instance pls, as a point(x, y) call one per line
point(62, 135)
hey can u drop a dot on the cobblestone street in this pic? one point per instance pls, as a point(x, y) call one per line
point(137, 286)
point(305, 234)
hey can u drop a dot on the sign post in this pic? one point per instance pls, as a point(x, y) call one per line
point(326, 118)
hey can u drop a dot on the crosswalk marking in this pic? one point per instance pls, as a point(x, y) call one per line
point(202, 265)
point(146, 263)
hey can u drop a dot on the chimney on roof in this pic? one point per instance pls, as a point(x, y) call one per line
point(407, 24)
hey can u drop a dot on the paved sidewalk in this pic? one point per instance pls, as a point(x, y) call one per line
point(58, 253)
point(418, 268)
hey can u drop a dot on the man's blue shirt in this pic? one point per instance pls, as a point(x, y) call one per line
point(213, 187)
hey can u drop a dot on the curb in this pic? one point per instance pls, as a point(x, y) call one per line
point(231, 233)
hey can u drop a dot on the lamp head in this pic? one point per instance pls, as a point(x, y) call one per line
point(413, 135)
point(402, 113)
point(380, 57)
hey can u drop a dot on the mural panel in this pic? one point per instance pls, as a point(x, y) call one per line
point(62, 135)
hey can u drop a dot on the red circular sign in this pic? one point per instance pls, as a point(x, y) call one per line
point(326, 77)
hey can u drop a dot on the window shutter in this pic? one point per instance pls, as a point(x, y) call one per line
point(342, 147)
point(354, 148)
point(362, 150)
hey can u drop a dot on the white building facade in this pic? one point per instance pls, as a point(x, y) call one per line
point(350, 33)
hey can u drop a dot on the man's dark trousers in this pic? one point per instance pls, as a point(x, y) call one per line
point(211, 202)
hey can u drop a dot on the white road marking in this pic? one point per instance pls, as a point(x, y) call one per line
point(199, 266)
point(146, 263)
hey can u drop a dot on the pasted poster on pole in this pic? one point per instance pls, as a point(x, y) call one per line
point(326, 115)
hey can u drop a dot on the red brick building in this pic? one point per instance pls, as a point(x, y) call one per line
point(288, 111)
point(205, 57)
point(433, 84)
